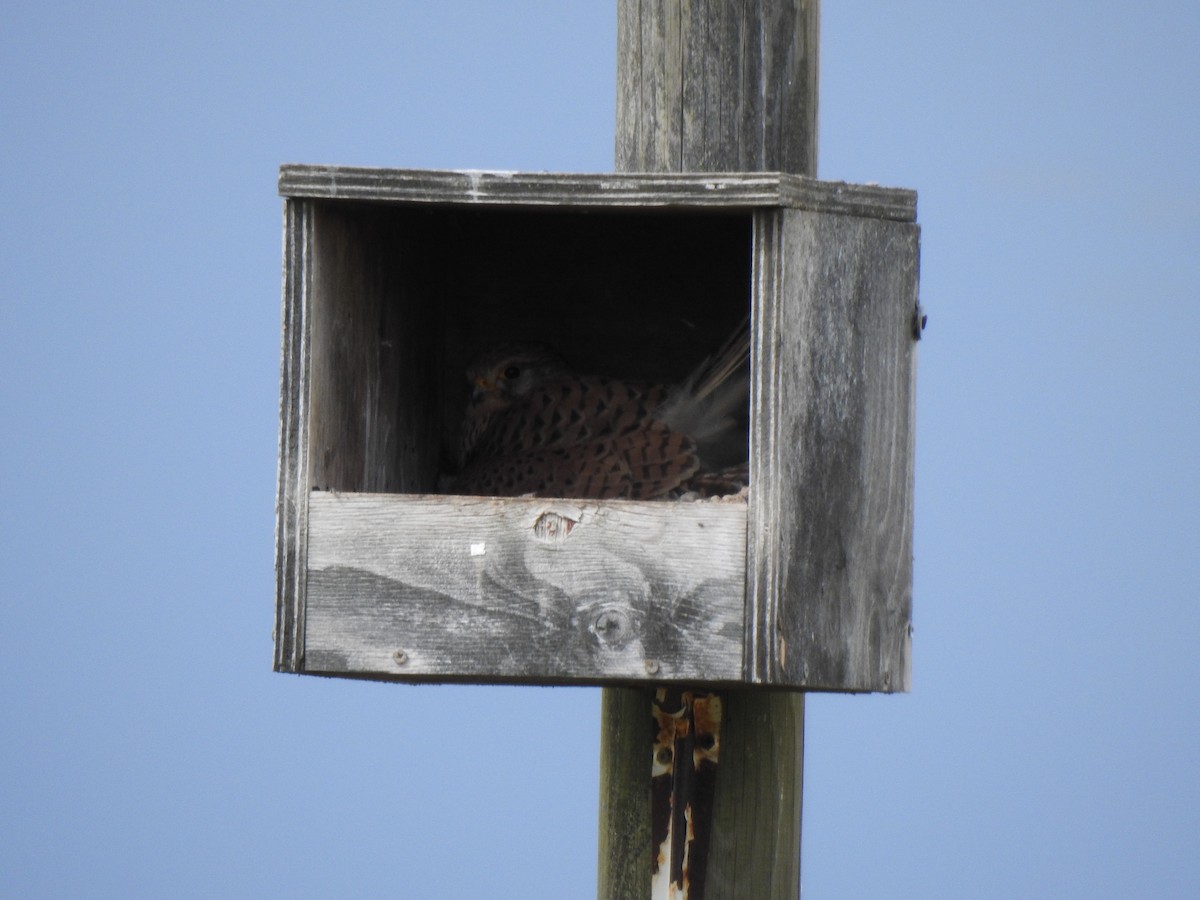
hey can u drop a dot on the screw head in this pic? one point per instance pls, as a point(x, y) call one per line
point(919, 321)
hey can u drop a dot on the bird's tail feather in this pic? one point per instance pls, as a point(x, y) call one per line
point(706, 406)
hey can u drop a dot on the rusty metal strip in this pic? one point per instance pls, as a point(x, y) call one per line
point(687, 747)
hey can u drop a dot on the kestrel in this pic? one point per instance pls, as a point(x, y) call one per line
point(533, 427)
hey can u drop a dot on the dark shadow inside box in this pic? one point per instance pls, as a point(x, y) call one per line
point(404, 296)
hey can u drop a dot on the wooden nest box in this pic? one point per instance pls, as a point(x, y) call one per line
point(394, 279)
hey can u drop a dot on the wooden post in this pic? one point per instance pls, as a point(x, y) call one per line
point(728, 86)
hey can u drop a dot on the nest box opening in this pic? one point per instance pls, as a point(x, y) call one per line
point(404, 296)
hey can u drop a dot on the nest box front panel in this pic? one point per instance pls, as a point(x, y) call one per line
point(521, 590)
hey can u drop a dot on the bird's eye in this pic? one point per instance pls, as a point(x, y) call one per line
point(512, 372)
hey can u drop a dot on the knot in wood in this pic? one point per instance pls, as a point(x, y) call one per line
point(553, 528)
point(611, 626)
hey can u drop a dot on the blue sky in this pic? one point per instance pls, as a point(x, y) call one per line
point(1049, 745)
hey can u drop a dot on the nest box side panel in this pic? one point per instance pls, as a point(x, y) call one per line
point(833, 451)
point(373, 350)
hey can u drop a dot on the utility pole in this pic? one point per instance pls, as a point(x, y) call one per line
point(713, 87)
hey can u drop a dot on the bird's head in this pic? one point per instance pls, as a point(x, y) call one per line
point(498, 378)
point(509, 371)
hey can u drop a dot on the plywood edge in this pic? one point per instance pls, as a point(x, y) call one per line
point(291, 513)
point(716, 190)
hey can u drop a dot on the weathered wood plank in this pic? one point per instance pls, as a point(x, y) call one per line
point(649, 120)
point(831, 533)
point(666, 190)
point(291, 498)
point(716, 86)
point(625, 838)
point(757, 806)
point(749, 73)
point(372, 370)
point(516, 590)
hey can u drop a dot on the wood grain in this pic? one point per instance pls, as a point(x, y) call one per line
point(714, 190)
point(372, 383)
point(757, 806)
point(832, 452)
point(291, 498)
point(518, 590)
point(708, 86)
point(625, 837)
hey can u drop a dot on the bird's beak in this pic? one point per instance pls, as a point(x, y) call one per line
point(482, 386)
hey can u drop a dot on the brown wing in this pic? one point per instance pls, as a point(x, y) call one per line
point(640, 464)
point(565, 412)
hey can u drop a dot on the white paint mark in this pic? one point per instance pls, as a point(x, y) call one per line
point(478, 549)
